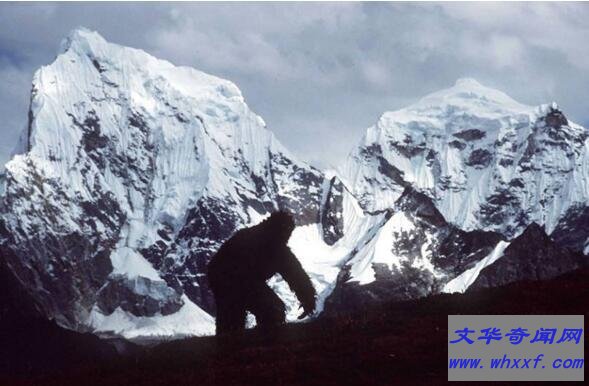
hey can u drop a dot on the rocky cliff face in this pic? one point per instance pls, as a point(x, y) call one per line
point(413, 252)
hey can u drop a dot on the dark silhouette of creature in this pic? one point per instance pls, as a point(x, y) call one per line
point(238, 272)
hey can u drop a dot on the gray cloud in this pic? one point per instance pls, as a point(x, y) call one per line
point(320, 73)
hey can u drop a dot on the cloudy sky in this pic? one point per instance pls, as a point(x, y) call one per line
point(319, 74)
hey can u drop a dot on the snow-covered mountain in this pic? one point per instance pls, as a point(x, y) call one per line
point(486, 168)
point(487, 161)
point(132, 172)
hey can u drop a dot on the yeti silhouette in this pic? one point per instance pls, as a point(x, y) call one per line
point(237, 275)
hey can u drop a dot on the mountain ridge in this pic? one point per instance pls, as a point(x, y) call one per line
point(134, 171)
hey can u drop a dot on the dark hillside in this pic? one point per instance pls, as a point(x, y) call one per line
point(398, 343)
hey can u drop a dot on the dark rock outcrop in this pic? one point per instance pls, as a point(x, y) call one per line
point(139, 296)
point(572, 231)
point(332, 217)
point(32, 345)
point(452, 251)
point(531, 256)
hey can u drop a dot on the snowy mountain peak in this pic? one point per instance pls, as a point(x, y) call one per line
point(83, 40)
point(486, 160)
point(108, 59)
point(469, 96)
point(458, 176)
point(464, 105)
point(135, 172)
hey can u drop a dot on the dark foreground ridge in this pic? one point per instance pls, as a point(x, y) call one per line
point(396, 343)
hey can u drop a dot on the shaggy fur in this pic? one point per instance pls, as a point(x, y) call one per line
point(238, 272)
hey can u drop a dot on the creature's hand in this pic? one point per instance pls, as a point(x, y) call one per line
point(308, 310)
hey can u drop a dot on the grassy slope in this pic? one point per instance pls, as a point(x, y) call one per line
point(399, 343)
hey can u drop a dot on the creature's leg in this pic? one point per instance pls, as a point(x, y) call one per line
point(266, 306)
point(230, 314)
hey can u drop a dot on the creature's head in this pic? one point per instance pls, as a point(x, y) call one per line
point(281, 225)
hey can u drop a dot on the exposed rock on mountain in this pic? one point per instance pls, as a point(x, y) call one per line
point(486, 161)
point(411, 255)
point(530, 256)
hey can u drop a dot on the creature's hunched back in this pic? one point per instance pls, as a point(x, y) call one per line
point(238, 273)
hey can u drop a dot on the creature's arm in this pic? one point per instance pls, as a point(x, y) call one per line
point(298, 281)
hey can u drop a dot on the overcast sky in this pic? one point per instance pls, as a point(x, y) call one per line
point(319, 74)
